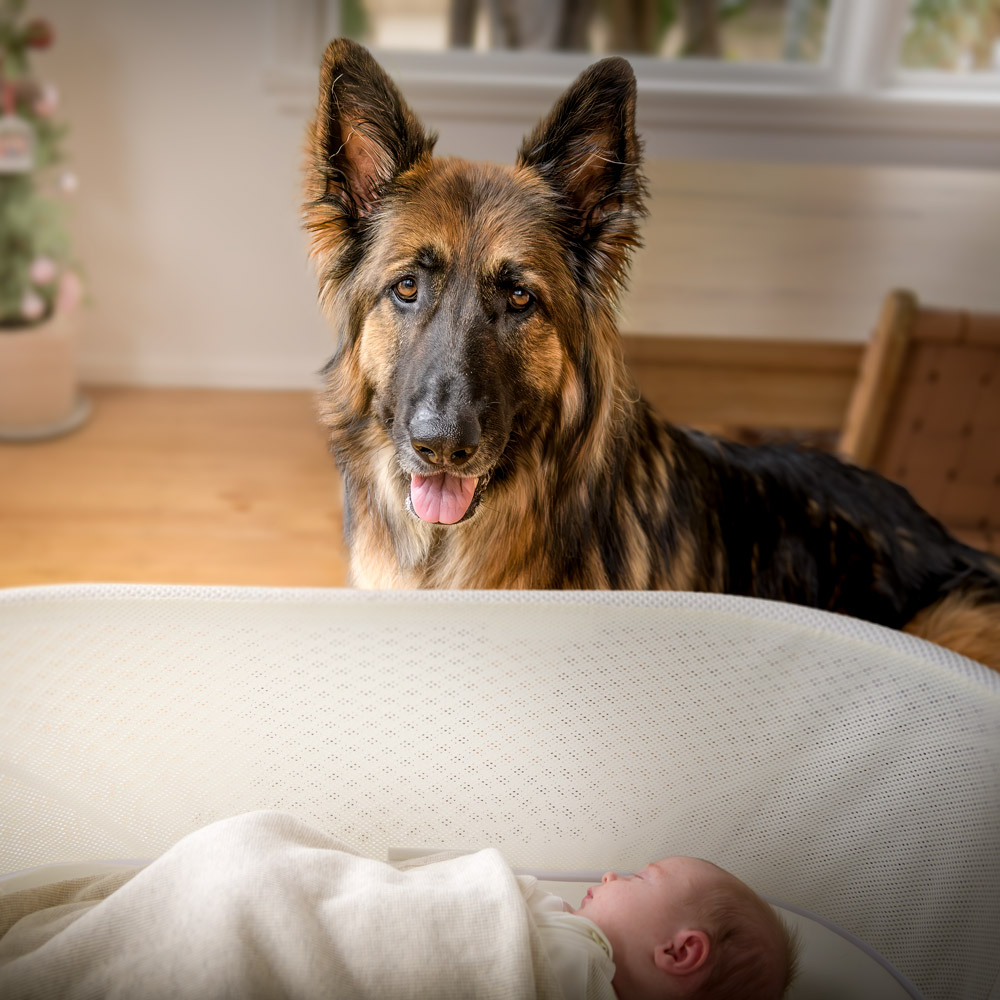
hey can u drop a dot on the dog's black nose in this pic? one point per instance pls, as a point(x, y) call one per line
point(444, 440)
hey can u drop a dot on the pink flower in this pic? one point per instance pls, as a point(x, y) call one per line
point(32, 306)
point(47, 102)
point(43, 270)
point(70, 292)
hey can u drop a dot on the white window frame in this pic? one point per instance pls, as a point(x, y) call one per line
point(854, 98)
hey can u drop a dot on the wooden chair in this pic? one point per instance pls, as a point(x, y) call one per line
point(925, 412)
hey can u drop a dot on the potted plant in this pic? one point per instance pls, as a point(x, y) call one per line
point(39, 289)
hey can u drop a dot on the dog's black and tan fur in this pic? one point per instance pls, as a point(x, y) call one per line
point(477, 352)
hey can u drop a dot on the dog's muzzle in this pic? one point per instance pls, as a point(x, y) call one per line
point(446, 443)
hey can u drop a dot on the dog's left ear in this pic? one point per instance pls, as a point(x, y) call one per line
point(587, 150)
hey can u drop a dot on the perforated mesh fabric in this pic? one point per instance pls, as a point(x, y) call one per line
point(841, 767)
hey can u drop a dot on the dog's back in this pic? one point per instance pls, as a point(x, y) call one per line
point(802, 526)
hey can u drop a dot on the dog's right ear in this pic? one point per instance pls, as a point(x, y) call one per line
point(588, 152)
point(363, 135)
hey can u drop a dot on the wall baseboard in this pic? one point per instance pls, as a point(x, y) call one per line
point(201, 373)
point(727, 382)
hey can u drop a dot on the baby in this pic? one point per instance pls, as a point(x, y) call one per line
point(262, 905)
point(681, 927)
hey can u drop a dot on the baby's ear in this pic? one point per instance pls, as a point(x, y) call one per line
point(686, 952)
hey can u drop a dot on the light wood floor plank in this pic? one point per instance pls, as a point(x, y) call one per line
point(176, 486)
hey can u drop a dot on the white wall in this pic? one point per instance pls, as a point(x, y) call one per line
point(186, 217)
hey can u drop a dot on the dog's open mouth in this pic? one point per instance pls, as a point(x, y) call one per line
point(442, 499)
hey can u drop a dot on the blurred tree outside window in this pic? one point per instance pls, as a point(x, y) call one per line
point(951, 36)
point(742, 31)
point(958, 36)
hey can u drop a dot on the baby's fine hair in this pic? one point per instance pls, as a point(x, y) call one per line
point(753, 954)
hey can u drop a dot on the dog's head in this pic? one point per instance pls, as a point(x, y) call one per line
point(465, 296)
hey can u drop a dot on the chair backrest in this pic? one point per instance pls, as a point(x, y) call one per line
point(925, 412)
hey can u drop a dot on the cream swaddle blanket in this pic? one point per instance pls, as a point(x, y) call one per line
point(262, 906)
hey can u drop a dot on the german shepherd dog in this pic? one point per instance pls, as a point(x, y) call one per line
point(481, 415)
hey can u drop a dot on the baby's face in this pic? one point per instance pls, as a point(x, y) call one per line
point(633, 908)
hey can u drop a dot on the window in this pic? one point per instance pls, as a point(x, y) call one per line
point(880, 81)
point(733, 30)
point(948, 38)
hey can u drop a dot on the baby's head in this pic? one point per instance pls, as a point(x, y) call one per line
point(683, 927)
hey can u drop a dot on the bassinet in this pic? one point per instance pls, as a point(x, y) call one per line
point(836, 766)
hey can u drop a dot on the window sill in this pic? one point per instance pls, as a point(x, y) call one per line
point(696, 111)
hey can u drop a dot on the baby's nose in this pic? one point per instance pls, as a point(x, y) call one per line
point(608, 877)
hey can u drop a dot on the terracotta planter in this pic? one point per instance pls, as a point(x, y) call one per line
point(39, 397)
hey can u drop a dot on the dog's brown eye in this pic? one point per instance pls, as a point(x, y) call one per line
point(406, 289)
point(520, 299)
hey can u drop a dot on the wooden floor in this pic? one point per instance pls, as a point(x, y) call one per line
point(230, 487)
point(201, 486)
point(176, 486)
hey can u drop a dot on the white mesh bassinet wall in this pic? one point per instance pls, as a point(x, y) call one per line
point(832, 764)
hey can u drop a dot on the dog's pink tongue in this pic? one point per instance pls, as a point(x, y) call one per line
point(442, 499)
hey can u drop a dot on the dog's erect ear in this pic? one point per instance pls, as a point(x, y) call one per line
point(588, 152)
point(363, 136)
